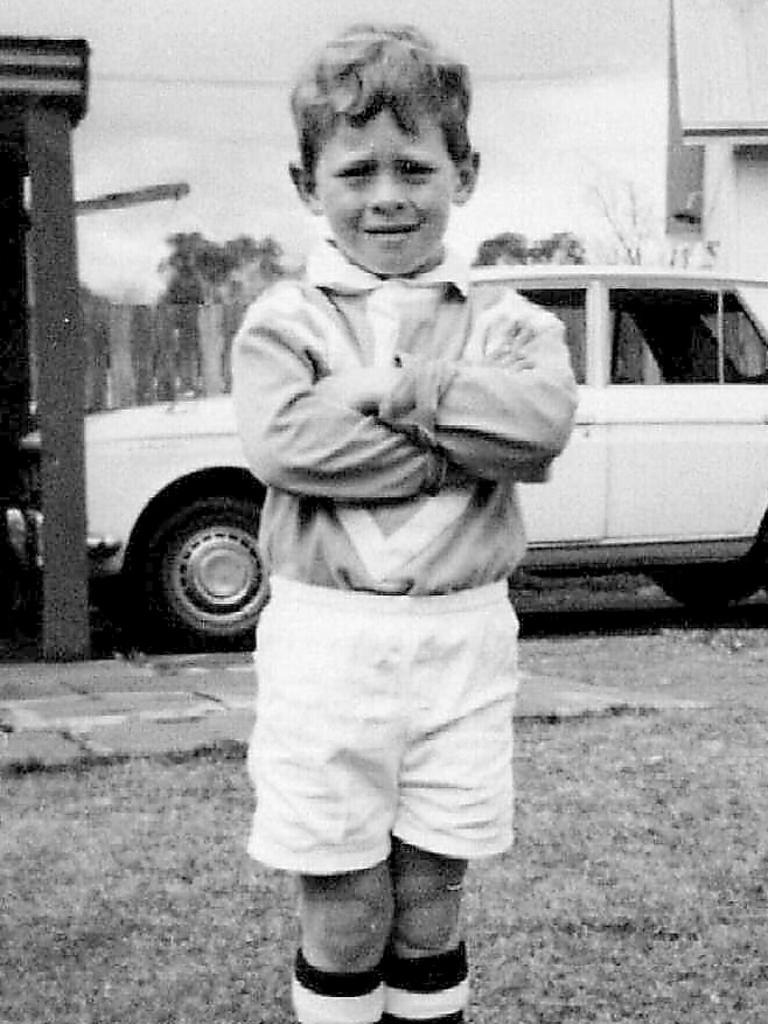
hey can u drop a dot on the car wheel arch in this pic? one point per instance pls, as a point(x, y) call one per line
point(189, 585)
point(719, 584)
point(233, 482)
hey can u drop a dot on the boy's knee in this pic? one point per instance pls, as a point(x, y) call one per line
point(427, 893)
point(427, 929)
point(346, 919)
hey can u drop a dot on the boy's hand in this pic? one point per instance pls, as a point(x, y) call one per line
point(364, 388)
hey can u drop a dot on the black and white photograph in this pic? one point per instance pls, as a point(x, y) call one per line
point(383, 512)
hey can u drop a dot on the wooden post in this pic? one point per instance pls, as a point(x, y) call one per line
point(60, 352)
point(210, 326)
point(165, 349)
point(121, 378)
point(95, 313)
point(143, 354)
point(14, 354)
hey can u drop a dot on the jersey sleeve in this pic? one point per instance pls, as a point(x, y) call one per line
point(505, 409)
point(294, 435)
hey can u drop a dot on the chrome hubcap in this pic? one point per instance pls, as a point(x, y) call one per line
point(217, 574)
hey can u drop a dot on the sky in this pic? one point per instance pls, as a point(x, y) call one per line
point(569, 98)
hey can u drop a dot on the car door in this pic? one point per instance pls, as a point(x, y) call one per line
point(687, 407)
point(571, 507)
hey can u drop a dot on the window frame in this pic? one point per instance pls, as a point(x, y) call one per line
point(718, 293)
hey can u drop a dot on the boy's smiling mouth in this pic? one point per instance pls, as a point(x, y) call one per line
point(392, 229)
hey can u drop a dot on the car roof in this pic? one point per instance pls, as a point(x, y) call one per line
point(616, 274)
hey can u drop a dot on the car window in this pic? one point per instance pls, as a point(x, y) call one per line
point(745, 350)
point(664, 337)
point(570, 305)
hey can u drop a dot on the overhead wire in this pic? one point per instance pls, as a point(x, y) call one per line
point(278, 83)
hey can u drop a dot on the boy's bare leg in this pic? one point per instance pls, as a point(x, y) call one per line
point(412, 903)
point(427, 901)
point(425, 972)
point(346, 919)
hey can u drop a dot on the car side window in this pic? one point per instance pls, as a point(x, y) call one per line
point(570, 306)
point(745, 350)
point(664, 337)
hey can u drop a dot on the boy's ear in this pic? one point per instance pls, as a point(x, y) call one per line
point(467, 170)
point(304, 182)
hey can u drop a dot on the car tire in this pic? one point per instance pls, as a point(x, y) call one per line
point(201, 577)
point(710, 587)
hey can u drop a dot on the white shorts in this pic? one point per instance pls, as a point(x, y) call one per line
point(381, 716)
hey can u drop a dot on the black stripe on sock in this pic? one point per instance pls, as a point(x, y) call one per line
point(335, 984)
point(452, 1018)
point(427, 974)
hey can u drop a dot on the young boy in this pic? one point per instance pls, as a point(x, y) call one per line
point(390, 406)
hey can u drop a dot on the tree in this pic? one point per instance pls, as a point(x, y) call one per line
point(512, 248)
point(562, 247)
point(508, 247)
point(266, 253)
point(200, 270)
point(636, 231)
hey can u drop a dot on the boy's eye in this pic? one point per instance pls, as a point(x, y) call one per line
point(412, 169)
point(415, 169)
point(356, 172)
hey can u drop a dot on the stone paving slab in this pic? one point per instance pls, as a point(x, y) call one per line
point(37, 679)
point(105, 709)
point(553, 698)
point(237, 690)
point(82, 712)
point(142, 738)
point(40, 679)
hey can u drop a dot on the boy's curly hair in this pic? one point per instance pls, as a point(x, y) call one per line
point(370, 68)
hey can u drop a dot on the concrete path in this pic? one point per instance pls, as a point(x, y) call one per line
point(57, 714)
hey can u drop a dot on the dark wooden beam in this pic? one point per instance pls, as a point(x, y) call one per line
point(14, 349)
point(47, 70)
point(57, 332)
point(136, 197)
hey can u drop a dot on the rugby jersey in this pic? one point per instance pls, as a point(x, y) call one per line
point(419, 497)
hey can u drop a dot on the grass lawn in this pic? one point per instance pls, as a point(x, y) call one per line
point(637, 891)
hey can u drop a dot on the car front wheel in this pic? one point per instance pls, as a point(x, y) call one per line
point(202, 577)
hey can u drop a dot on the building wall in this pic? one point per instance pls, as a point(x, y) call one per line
point(718, 94)
point(751, 207)
point(719, 225)
point(735, 215)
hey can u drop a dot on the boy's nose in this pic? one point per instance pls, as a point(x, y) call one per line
point(387, 194)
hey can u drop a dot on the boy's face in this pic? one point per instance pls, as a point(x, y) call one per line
point(387, 194)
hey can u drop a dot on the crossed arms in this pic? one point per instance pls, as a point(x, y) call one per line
point(376, 434)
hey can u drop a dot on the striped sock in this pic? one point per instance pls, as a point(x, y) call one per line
point(327, 997)
point(430, 990)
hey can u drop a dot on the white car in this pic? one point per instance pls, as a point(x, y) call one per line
point(666, 473)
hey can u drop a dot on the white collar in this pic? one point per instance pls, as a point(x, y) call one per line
point(328, 268)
